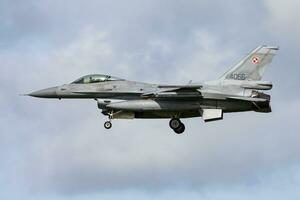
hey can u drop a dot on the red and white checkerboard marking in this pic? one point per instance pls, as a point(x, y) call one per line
point(255, 60)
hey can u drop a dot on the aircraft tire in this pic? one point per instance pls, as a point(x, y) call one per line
point(107, 125)
point(180, 129)
point(175, 123)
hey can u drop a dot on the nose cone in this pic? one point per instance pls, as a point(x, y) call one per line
point(45, 93)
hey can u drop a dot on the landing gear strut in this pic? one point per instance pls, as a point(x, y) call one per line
point(108, 124)
point(177, 125)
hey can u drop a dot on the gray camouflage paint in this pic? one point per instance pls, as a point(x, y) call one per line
point(237, 90)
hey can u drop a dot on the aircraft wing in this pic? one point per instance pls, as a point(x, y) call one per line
point(175, 92)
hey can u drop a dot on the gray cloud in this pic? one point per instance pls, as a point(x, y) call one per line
point(60, 147)
point(282, 17)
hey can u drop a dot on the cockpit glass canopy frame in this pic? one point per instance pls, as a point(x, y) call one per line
point(96, 78)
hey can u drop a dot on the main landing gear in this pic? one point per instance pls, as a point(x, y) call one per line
point(177, 125)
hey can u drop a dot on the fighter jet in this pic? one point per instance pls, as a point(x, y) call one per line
point(237, 90)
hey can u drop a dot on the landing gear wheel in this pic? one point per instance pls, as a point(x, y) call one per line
point(180, 129)
point(107, 125)
point(175, 123)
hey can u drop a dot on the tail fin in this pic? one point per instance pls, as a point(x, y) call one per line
point(253, 66)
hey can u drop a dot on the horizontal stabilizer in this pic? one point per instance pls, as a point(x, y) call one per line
point(248, 99)
point(257, 85)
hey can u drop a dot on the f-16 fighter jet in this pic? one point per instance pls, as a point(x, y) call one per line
point(238, 90)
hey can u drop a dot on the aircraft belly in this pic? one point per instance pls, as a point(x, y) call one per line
point(167, 109)
point(181, 106)
point(154, 105)
point(165, 114)
point(234, 106)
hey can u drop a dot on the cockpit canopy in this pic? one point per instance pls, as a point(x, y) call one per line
point(96, 78)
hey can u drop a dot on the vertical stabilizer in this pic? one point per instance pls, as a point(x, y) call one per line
point(253, 66)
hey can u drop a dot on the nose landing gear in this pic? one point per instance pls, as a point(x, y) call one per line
point(177, 125)
point(107, 125)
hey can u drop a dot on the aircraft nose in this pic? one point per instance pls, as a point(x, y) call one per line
point(45, 93)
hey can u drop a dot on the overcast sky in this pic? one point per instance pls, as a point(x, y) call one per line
point(52, 149)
